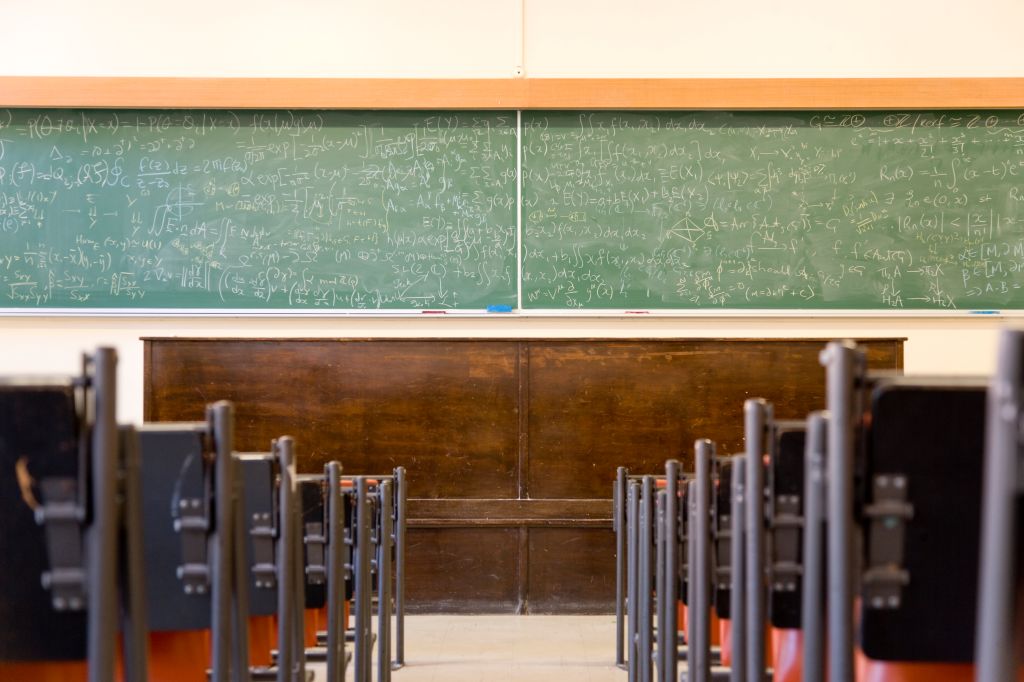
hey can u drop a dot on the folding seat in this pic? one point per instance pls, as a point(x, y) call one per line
point(784, 491)
point(1001, 583)
point(922, 445)
point(194, 549)
point(636, 506)
point(386, 503)
point(722, 538)
point(70, 542)
point(40, 446)
point(904, 470)
point(695, 518)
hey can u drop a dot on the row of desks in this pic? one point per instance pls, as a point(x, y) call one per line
point(191, 555)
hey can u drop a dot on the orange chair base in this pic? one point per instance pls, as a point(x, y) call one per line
point(179, 656)
point(870, 670)
point(321, 618)
point(262, 638)
point(725, 641)
point(44, 671)
point(787, 650)
point(311, 621)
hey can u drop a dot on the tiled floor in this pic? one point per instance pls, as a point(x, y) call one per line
point(509, 649)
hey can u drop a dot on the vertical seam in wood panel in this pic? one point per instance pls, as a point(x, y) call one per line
point(523, 472)
point(147, 380)
point(523, 572)
point(523, 403)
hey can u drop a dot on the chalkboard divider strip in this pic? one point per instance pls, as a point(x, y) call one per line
point(519, 209)
point(519, 313)
point(512, 93)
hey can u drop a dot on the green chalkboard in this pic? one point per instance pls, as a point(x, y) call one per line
point(310, 210)
point(765, 210)
point(335, 211)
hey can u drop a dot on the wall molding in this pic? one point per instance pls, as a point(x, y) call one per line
point(512, 93)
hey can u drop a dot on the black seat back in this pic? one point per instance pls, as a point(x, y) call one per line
point(39, 441)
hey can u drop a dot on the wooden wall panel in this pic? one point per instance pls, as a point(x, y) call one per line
point(511, 445)
point(596, 406)
point(571, 570)
point(462, 570)
point(443, 407)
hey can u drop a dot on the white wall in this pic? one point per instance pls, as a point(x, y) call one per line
point(454, 38)
point(488, 38)
point(800, 38)
point(484, 38)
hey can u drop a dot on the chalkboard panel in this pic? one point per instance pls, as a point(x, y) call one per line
point(758, 210)
point(335, 211)
point(257, 210)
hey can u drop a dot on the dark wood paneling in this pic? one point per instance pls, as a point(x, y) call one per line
point(571, 570)
point(596, 406)
point(446, 410)
point(456, 512)
point(462, 570)
point(511, 445)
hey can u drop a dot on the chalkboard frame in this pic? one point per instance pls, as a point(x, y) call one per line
point(908, 93)
point(511, 93)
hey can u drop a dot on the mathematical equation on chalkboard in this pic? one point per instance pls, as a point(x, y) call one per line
point(241, 210)
point(888, 210)
point(338, 211)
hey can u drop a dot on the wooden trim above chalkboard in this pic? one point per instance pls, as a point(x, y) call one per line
point(509, 93)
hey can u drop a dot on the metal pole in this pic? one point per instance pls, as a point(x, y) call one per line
point(663, 640)
point(136, 631)
point(335, 575)
point(633, 577)
point(644, 586)
point(222, 418)
point(994, 638)
point(363, 586)
point(671, 635)
point(402, 496)
point(240, 591)
point(700, 567)
point(618, 514)
point(812, 615)
point(101, 535)
point(754, 424)
point(839, 360)
point(384, 584)
point(298, 589)
point(692, 638)
point(737, 601)
point(286, 547)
